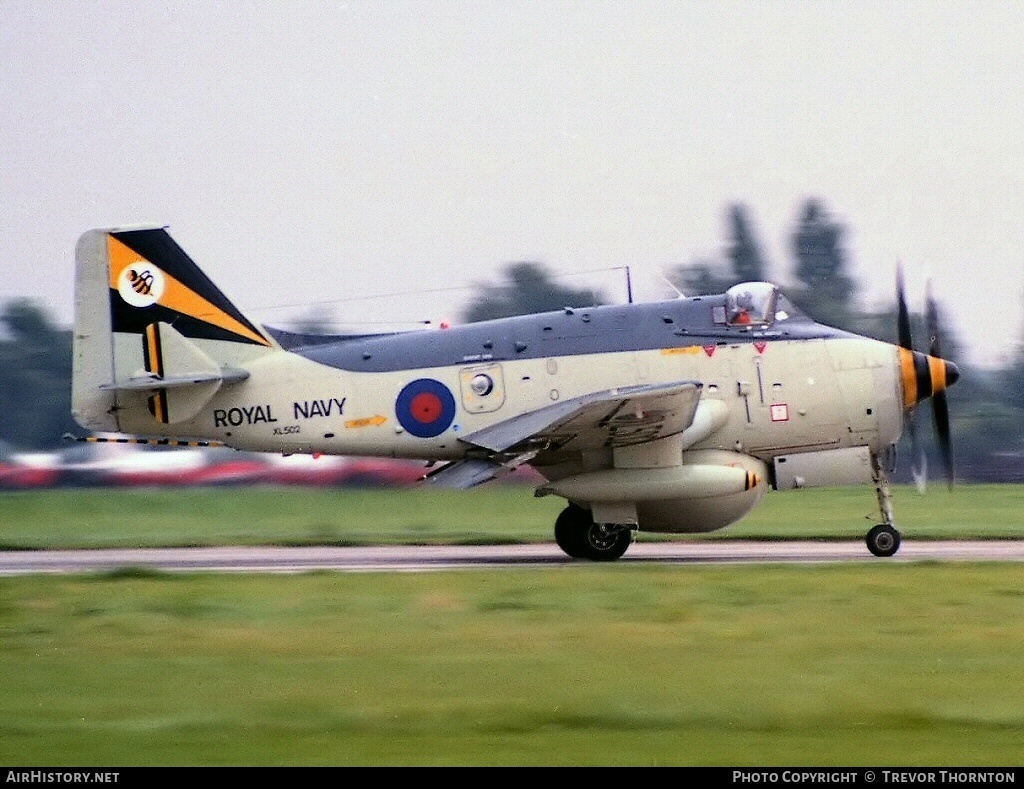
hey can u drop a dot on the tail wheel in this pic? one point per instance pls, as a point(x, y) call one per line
point(883, 540)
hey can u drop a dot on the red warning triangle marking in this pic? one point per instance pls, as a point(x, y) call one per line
point(760, 346)
point(709, 350)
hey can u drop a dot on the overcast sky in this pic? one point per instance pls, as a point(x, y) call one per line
point(330, 151)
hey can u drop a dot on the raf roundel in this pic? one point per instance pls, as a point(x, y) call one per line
point(425, 408)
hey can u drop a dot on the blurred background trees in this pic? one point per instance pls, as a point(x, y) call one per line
point(986, 406)
point(35, 378)
point(528, 288)
point(744, 262)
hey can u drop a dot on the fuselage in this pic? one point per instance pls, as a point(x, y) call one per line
point(795, 386)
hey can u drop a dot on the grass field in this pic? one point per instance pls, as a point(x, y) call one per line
point(878, 663)
point(93, 518)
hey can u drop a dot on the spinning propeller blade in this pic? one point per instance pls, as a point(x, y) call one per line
point(902, 316)
point(929, 376)
point(919, 464)
point(940, 407)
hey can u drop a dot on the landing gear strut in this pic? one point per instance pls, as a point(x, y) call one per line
point(883, 539)
point(581, 538)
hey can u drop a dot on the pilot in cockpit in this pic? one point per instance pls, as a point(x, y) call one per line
point(739, 315)
point(750, 303)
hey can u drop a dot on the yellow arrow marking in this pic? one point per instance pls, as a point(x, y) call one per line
point(369, 421)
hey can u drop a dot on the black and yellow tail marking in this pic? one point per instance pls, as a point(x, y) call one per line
point(154, 360)
point(152, 352)
point(187, 298)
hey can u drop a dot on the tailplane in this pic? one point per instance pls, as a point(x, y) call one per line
point(154, 338)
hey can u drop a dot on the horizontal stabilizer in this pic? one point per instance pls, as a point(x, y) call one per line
point(148, 382)
point(181, 377)
point(172, 361)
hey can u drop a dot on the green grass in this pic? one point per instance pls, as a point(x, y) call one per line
point(595, 665)
point(875, 663)
point(91, 518)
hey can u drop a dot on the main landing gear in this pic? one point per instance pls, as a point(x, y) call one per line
point(883, 539)
point(581, 538)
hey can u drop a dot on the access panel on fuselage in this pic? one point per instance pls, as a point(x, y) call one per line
point(789, 394)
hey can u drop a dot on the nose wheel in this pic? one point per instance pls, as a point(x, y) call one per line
point(883, 539)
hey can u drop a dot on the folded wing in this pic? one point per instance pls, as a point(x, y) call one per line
point(623, 417)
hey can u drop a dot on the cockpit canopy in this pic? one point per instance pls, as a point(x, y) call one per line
point(751, 304)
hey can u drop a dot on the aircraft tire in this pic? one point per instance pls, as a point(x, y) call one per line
point(883, 540)
point(607, 542)
point(571, 530)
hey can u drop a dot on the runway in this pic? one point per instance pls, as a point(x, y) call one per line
point(428, 558)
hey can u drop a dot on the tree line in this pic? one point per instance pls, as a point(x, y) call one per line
point(986, 406)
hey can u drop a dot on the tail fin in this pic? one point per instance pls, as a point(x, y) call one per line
point(154, 337)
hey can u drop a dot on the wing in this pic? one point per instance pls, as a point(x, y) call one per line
point(612, 418)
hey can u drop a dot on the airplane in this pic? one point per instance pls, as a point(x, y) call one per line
point(666, 417)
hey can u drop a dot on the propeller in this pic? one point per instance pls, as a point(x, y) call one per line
point(940, 406)
point(919, 463)
point(903, 315)
point(925, 376)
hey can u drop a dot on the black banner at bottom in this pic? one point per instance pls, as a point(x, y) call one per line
point(730, 776)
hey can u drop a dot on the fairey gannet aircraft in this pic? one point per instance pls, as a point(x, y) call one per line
point(673, 416)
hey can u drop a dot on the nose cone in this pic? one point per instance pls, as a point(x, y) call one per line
point(924, 376)
point(952, 373)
